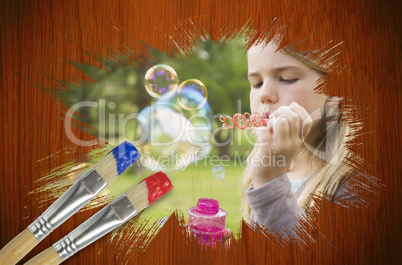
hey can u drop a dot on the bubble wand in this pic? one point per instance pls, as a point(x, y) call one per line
point(256, 119)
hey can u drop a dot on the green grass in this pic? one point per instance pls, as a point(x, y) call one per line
point(195, 182)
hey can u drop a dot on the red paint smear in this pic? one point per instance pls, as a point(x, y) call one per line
point(158, 185)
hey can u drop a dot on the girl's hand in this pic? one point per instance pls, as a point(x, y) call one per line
point(279, 142)
point(227, 235)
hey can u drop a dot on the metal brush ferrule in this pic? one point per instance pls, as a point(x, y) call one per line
point(113, 215)
point(80, 193)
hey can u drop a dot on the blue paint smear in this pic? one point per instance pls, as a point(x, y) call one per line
point(125, 155)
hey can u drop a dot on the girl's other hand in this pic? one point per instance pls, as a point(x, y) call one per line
point(227, 235)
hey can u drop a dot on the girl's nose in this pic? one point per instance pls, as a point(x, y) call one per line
point(268, 93)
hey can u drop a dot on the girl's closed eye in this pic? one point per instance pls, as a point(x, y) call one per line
point(288, 81)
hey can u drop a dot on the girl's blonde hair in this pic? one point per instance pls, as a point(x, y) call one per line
point(327, 154)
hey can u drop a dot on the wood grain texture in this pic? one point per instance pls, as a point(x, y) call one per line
point(35, 39)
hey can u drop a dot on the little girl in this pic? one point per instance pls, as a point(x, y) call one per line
point(304, 132)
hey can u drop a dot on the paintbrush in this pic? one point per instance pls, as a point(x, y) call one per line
point(80, 193)
point(113, 215)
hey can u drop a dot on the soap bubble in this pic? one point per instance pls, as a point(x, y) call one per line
point(171, 138)
point(192, 94)
point(163, 221)
point(218, 172)
point(161, 80)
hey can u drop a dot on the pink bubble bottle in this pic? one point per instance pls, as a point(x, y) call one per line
point(207, 221)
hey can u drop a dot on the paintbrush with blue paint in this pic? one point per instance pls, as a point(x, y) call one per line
point(80, 193)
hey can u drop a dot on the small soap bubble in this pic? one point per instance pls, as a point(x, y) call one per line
point(218, 172)
point(161, 80)
point(192, 94)
point(163, 221)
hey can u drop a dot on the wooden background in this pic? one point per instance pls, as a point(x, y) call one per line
point(38, 38)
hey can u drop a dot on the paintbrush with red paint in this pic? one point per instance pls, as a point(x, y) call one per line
point(110, 217)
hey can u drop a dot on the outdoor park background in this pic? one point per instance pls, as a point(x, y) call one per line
point(223, 70)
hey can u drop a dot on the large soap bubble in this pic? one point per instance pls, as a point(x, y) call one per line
point(161, 80)
point(192, 94)
point(171, 138)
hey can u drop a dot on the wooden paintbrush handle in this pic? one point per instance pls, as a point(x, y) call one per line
point(46, 257)
point(17, 248)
